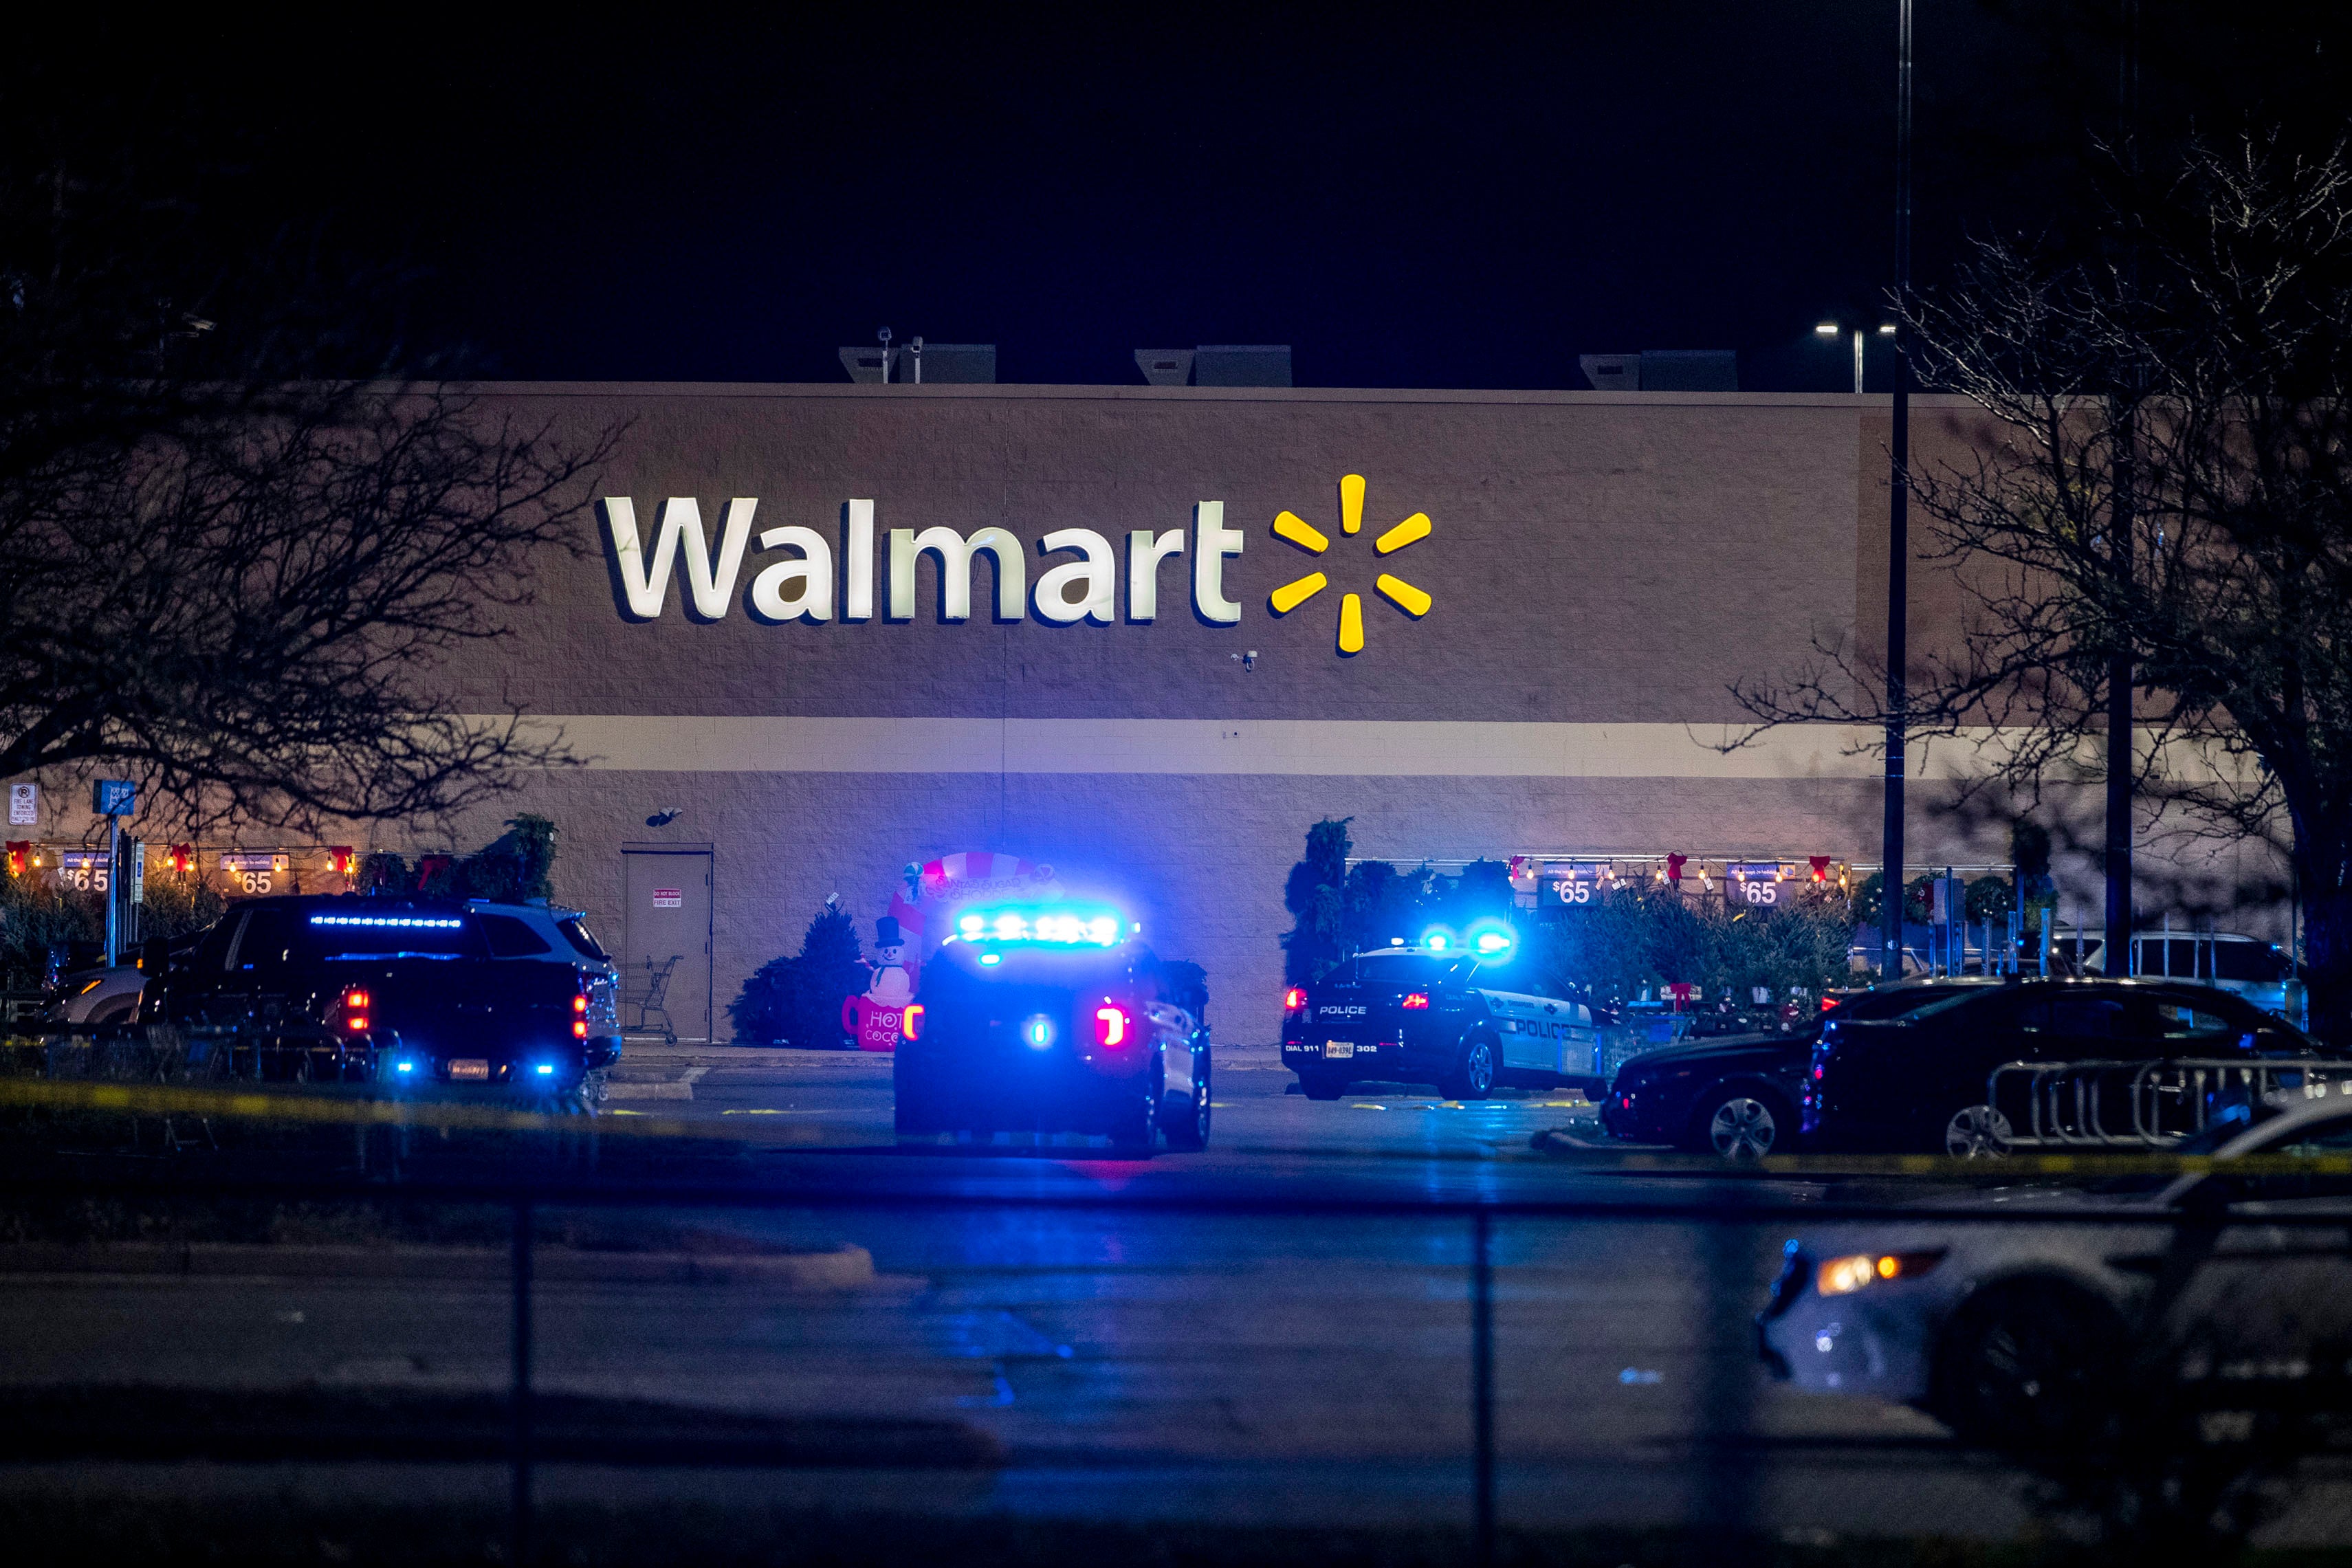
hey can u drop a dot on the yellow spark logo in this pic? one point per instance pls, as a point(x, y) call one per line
point(1395, 590)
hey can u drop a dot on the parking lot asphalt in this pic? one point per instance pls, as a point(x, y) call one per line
point(1152, 1363)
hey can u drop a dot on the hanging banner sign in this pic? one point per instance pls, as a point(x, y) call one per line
point(253, 860)
point(1573, 882)
point(980, 873)
point(84, 871)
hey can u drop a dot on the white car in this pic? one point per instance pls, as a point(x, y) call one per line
point(98, 998)
point(2014, 1331)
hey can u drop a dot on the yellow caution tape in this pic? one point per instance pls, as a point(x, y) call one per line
point(330, 1108)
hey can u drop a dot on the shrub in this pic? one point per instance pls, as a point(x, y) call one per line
point(514, 868)
point(1640, 936)
point(35, 916)
point(1315, 893)
point(796, 1000)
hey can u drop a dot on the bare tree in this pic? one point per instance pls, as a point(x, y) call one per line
point(242, 524)
point(2164, 473)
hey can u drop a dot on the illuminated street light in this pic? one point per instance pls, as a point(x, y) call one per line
point(1831, 329)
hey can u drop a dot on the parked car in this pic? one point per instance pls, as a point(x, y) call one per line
point(2020, 1332)
point(1737, 1097)
point(96, 998)
point(1912, 1077)
point(1462, 1021)
point(1054, 1019)
point(407, 992)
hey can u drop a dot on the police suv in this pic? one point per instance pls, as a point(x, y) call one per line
point(1451, 1012)
point(1055, 1020)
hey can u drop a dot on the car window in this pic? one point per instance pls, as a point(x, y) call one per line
point(265, 945)
point(2248, 962)
point(512, 938)
point(577, 934)
point(337, 935)
point(1895, 1001)
point(2087, 1017)
point(211, 954)
point(1402, 969)
point(2186, 1026)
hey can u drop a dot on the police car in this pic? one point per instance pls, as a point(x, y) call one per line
point(1055, 1020)
point(1451, 1011)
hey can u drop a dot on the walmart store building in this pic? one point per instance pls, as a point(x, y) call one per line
point(1146, 636)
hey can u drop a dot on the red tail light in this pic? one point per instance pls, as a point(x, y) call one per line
point(1294, 999)
point(1416, 1001)
point(911, 1025)
point(580, 1004)
point(355, 1010)
point(1112, 1026)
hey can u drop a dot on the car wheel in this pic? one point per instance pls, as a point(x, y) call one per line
point(915, 1107)
point(1188, 1126)
point(1741, 1124)
point(2030, 1368)
point(1473, 1077)
point(1321, 1085)
point(1136, 1132)
point(1977, 1133)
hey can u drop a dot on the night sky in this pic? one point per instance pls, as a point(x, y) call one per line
point(1409, 199)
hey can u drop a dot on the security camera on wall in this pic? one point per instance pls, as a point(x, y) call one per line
point(664, 817)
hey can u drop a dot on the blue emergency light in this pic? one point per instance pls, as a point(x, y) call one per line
point(1055, 925)
point(409, 921)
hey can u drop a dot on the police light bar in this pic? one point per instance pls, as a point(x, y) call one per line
point(1490, 939)
point(425, 921)
point(1051, 927)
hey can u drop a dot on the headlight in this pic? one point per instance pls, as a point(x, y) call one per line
point(1843, 1276)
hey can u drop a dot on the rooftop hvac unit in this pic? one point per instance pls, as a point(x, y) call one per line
point(1607, 372)
point(1690, 370)
point(950, 365)
point(1242, 365)
point(1165, 367)
point(866, 364)
point(939, 364)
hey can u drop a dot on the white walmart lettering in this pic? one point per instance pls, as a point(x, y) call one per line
point(803, 586)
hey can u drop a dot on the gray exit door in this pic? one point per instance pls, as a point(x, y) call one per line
point(666, 941)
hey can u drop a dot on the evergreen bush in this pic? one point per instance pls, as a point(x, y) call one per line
point(796, 1000)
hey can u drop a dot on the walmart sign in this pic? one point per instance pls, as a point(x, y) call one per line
point(807, 583)
point(801, 585)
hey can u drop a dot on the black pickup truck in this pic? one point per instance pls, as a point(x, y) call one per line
point(403, 992)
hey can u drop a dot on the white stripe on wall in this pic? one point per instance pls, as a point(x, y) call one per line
point(1351, 747)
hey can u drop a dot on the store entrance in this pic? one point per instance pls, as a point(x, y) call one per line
point(665, 943)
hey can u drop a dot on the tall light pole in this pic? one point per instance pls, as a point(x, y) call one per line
point(1898, 527)
point(2121, 506)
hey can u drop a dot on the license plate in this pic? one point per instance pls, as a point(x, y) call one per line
point(1338, 1048)
point(470, 1067)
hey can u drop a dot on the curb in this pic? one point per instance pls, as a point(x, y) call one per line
point(848, 1268)
point(769, 1057)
